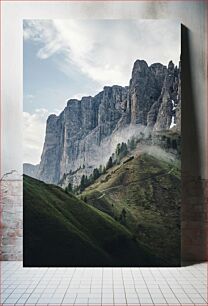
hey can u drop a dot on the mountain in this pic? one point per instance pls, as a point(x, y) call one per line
point(31, 170)
point(143, 193)
point(62, 230)
point(86, 133)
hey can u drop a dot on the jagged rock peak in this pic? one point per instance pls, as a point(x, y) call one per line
point(86, 99)
point(51, 120)
point(140, 69)
point(140, 64)
point(112, 87)
point(158, 69)
point(71, 101)
point(52, 117)
point(171, 66)
point(168, 103)
point(157, 66)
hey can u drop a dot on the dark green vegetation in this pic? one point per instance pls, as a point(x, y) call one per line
point(143, 194)
point(128, 212)
point(169, 141)
point(62, 230)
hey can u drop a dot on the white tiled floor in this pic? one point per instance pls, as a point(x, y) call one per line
point(103, 286)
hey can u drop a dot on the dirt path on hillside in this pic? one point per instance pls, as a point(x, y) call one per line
point(120, 186)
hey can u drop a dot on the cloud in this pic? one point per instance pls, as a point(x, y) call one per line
point(33, 135)
point(105, 50)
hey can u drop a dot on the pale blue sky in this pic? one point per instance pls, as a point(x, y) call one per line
point(45, 85)
point(65, 59)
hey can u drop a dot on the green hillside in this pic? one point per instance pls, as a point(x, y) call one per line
point(144, 195)
point(61, 230)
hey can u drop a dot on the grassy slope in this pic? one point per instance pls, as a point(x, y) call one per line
point(61, 230)
point(150, 192)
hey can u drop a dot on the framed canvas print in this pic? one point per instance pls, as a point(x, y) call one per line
point(102, 143)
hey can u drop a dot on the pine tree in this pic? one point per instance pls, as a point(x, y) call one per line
point(123, 150)
point(86, 182)
point(122, 217)
point(91, 179)
point(96, 173)
point(132, 144)
point(101, 169)
point(113, 158)
point(82, 183)
point(109, 163)
point(118, 149)
point(69, 188)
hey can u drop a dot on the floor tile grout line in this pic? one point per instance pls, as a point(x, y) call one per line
point(180, 288)
point(37, 283)
point(69, 284)
point(113, 288)
point(158, 270)
point(135, 286)
point(170, 289)
point(162, 291)
point(123, 284)
point(147, 287)
point(102, 273)
point(188, 295)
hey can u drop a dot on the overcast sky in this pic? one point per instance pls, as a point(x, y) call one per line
point(66, 59)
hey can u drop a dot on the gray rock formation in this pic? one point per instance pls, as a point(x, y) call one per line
point(144, 90)
point(31, 170)
point(86, 132)
point(73, 137)
point(178, 103)
point(168, 100)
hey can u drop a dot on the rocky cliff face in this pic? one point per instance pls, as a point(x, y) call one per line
point(73, 138)
point(31, 170)
point(168, 100)
point(86, 132)
point(144, 90)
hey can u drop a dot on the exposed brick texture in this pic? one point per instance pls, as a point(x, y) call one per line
point(11, 222)
point(194, 225)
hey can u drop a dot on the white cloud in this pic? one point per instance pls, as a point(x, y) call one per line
point(106, 50)
point(33, 135)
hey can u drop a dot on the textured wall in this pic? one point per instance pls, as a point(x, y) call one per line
point(194, 129)
point(11, 225)
point(194, 196)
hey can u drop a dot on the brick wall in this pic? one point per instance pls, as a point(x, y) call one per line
point(11, 221)
point(194, 221)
